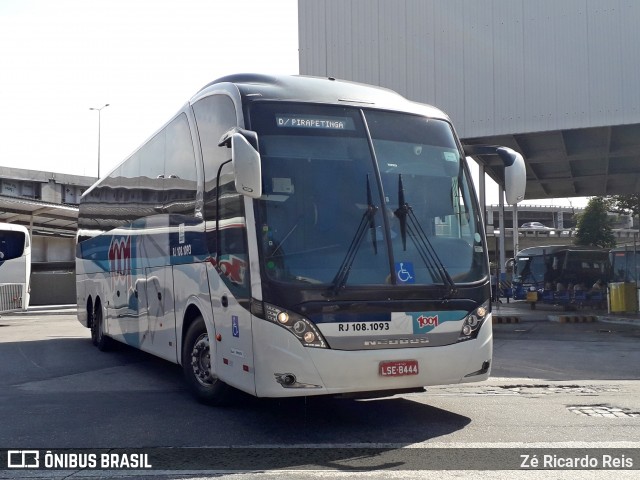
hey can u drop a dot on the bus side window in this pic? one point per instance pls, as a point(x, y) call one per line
point(215, 115)
point(151, 159)
point(179, 169)
point(231, 237)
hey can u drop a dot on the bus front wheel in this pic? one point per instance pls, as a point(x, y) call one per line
point(198, 365)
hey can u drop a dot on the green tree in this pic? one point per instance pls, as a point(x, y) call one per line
point(628, 204)
point(594, 227)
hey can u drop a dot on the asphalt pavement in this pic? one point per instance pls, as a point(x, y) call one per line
point(552, 386)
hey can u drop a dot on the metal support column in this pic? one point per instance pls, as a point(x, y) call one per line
point(502, 258)
point(482, 194)
point(516, 245)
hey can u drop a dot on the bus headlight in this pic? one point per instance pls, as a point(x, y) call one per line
point(473, 322)
point(303, 329)
point(283, 318)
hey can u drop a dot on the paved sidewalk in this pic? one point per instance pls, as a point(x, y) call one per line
point(45, 310)
point(521, 311)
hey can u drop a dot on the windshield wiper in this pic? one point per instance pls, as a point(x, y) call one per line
point(368, 219)
point(421, 241)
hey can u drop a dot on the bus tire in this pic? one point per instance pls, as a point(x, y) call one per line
point(98, 337)
point(198, 370)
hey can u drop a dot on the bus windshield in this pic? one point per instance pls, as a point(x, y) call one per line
point(12, 244)
point(530, 269)
point(363, 197)
point(15, 267)
point(625, 266)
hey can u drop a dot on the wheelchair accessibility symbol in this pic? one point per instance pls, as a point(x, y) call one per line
point(404, 272)
point(235, 328)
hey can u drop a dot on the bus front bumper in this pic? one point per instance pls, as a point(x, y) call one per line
point(284, 368)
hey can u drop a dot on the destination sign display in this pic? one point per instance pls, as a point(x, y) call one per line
point(315, 122)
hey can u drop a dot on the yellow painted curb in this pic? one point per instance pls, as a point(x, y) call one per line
point(577, 318)
point(500, 319)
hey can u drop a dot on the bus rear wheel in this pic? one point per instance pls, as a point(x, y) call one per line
point(98, 338)
point(198, 365)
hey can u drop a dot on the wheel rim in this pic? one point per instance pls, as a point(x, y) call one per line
point(201, 361)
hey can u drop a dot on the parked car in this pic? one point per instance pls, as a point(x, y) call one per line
point(535, 226)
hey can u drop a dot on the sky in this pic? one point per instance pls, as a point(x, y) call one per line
point(145, 59)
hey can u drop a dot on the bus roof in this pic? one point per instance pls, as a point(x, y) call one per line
point(13, 227)
point(551, 249)
point(298, 88)
point(626, 248)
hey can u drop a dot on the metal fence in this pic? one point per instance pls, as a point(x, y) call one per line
point(11, 297)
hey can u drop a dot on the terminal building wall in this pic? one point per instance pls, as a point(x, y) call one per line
point(53, 279)
point(47, 204)
point(495, 66)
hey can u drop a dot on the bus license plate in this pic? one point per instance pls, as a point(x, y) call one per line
point(399, 368)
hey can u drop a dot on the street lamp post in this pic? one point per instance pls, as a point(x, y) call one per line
point(99, 110)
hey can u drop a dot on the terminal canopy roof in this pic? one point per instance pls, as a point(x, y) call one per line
point(43, 217)
point(597, 161)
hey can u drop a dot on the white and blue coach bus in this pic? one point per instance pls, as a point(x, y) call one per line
point(290, 236)
point(15, 267)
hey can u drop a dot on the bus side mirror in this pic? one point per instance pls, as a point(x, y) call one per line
point(247, 164)
point(515, 175)
point(515, 172)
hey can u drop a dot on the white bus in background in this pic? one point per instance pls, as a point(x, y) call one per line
point(295, 236)
point(15, 267)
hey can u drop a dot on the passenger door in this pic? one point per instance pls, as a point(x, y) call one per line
point(160, 334)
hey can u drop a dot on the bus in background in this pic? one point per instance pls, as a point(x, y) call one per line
point(559, 268)
point(625, 264)
point(15, 267)
point(295, 236)
point(625, 279)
